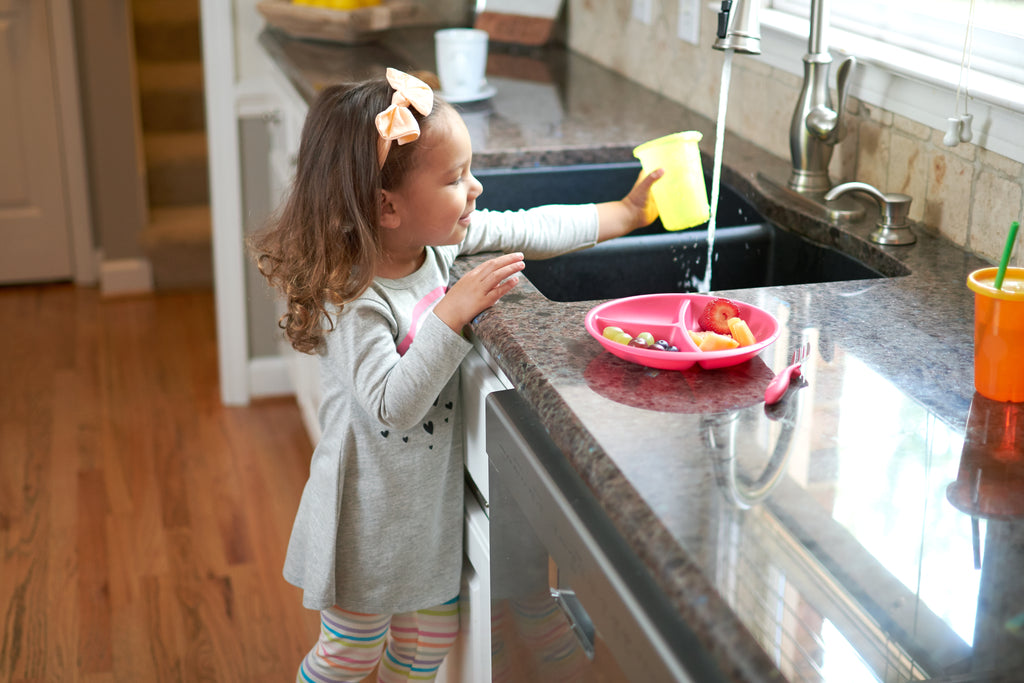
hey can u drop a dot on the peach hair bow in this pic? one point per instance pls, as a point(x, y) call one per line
point(397, 122)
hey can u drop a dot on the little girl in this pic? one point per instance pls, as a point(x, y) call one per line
point(382, 204)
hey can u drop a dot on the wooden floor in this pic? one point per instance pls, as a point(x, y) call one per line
point(142, 524)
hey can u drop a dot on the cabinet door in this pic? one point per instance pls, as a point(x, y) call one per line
point(479, 379)
point(285, 130)
point(470, 659)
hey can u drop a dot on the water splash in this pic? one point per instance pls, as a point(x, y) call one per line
point(716, 172)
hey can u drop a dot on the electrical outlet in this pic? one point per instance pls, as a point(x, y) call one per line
point(643, 11)
point(689, 21)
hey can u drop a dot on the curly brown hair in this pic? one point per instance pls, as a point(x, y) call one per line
point(322, 247)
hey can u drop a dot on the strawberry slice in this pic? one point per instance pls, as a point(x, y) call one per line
point(716, 315)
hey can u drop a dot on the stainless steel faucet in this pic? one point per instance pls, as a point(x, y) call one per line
point(816, 127)
point(739, 28)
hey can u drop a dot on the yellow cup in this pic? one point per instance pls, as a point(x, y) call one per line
point(680, 195)
point(998, 334)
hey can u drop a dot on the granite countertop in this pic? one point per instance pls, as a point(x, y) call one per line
point(862, 556)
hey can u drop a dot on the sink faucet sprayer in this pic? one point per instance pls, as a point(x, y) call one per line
point(739, 29)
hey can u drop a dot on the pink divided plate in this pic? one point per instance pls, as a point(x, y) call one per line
point(668, 317)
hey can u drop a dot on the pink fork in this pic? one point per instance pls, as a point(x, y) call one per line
point(777, 387)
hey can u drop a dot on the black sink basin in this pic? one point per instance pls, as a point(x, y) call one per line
point(749, 251)
point(521, 188)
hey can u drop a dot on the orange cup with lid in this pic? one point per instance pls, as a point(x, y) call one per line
point(998, 334)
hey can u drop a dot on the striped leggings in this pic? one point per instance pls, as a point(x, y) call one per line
point(351, 645)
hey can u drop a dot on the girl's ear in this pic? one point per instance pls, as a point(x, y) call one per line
point(389, 217)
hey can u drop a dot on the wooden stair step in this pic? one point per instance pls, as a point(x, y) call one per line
point(179, 225)
point(169, 110)
point(181, 76)
point(170, 187)
point(175, 146)
point(177, 172)
point(160, 11)
point(177, 40)
point(178, 243)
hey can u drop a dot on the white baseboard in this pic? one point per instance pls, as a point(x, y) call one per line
point(268, 376)
point(120, 277)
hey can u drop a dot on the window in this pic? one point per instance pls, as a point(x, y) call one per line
point(909, 56)
point(935, 28)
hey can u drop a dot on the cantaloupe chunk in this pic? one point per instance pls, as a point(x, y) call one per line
point(696, 337)
point(741, 332)
point(713, 341)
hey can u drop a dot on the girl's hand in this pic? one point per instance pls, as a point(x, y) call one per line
point(641, 200)
point(634, 211)
point(478, 290)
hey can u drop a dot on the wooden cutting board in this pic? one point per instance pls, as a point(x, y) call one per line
point(525, 22)
point(349, 27)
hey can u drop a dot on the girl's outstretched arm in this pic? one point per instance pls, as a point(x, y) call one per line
point(478, 290)
point(635, 210)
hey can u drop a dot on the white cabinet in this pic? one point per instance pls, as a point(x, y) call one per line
point(284, 127)
point(284, 130)
point(470, 659)
point(480, 376)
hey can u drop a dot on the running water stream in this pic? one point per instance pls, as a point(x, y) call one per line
point(716, 172)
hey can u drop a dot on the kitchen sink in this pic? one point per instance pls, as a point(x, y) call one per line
point(749, 250)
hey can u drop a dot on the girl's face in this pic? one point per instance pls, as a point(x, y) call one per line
point(432, 207)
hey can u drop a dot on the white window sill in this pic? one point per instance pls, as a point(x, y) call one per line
point(909, 84)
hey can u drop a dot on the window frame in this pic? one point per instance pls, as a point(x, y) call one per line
point(906, 81)
point(942, 37)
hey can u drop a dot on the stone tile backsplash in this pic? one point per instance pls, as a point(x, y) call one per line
point(967, 193)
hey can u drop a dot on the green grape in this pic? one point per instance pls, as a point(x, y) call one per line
point(611, 331)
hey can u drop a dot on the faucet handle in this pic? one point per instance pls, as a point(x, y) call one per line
point(826, 124)
point(894, 207)
point(843, 74)
point(723, 19)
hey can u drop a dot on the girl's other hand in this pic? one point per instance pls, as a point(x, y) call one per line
point(479, 289)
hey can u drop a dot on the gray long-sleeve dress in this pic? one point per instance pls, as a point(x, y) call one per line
point(379, 525)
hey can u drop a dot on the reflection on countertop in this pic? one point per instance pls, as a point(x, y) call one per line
point(856, 558)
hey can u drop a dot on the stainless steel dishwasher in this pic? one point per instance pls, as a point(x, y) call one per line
point(569, 600)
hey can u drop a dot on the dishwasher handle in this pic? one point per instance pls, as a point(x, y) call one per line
point(579, 621)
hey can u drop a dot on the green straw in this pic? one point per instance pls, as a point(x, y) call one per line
point(1001, 273)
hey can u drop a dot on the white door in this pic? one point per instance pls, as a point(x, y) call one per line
point(35, 236)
